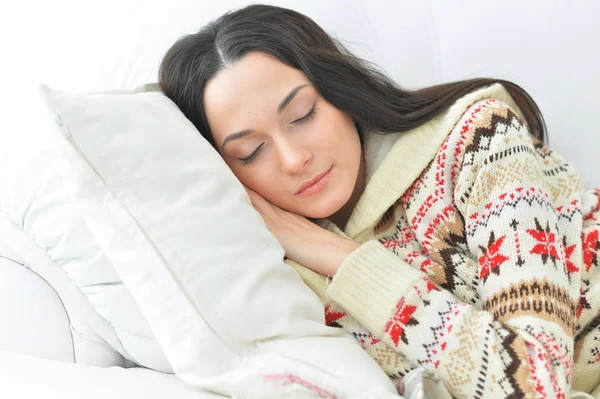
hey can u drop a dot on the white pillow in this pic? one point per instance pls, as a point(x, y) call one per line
point(206, 272)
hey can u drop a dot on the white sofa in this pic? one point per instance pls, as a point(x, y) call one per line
point(53, 342)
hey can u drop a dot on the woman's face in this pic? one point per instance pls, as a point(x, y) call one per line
point(277, 134)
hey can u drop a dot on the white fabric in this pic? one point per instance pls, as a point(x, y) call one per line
point(26, 377)
point(41, 229)
point(206, 272)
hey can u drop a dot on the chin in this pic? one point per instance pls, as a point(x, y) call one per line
point(325, 208)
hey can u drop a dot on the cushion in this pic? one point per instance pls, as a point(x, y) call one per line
point(42, 233)
point(204, 269)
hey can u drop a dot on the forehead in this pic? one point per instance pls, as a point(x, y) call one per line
point(256, 82)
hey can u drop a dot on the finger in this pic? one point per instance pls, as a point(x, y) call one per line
point(255, 199)
point(260, 204)
point(251, 194)
point(248, 191)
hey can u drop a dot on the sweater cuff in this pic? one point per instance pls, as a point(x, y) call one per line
point(370, 283)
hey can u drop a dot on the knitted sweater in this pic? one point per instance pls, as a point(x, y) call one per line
point(478, 258)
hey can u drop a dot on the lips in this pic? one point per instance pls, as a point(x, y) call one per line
point(312, 181)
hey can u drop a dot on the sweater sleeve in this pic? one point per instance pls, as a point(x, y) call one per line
point(521, 237)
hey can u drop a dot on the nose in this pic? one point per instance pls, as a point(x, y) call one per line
point(294, 157)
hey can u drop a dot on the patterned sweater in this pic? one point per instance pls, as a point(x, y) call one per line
point(478, 258)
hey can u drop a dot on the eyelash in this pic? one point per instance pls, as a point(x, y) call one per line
point(306, 118)
point(246, 161)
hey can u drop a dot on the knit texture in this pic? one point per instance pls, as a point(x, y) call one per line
point(479, 258)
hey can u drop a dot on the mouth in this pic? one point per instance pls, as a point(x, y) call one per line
point(315, 184)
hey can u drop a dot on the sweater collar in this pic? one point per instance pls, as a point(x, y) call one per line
point(391, 172)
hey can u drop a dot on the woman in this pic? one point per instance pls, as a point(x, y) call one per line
point(434, 224)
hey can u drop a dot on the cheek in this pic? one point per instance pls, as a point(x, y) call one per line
point(249, 177)
point(343, 141)
point(259, 179)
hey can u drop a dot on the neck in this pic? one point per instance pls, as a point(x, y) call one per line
point(341, 217)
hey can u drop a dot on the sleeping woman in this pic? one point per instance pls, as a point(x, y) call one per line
point(435, 224)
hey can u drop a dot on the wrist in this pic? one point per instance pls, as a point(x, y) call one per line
point(337, 249)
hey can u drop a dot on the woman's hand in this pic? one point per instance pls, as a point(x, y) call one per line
point(303, 241)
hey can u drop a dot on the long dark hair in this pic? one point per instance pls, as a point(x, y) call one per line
point(374, 101)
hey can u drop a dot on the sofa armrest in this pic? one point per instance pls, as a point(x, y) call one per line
point(33, 318)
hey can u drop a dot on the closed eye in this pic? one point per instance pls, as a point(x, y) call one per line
point(308, 116)
point(305, 118)
point(250, 158)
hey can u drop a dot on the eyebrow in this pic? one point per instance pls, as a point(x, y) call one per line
point(290, 97)
point(282, 105)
